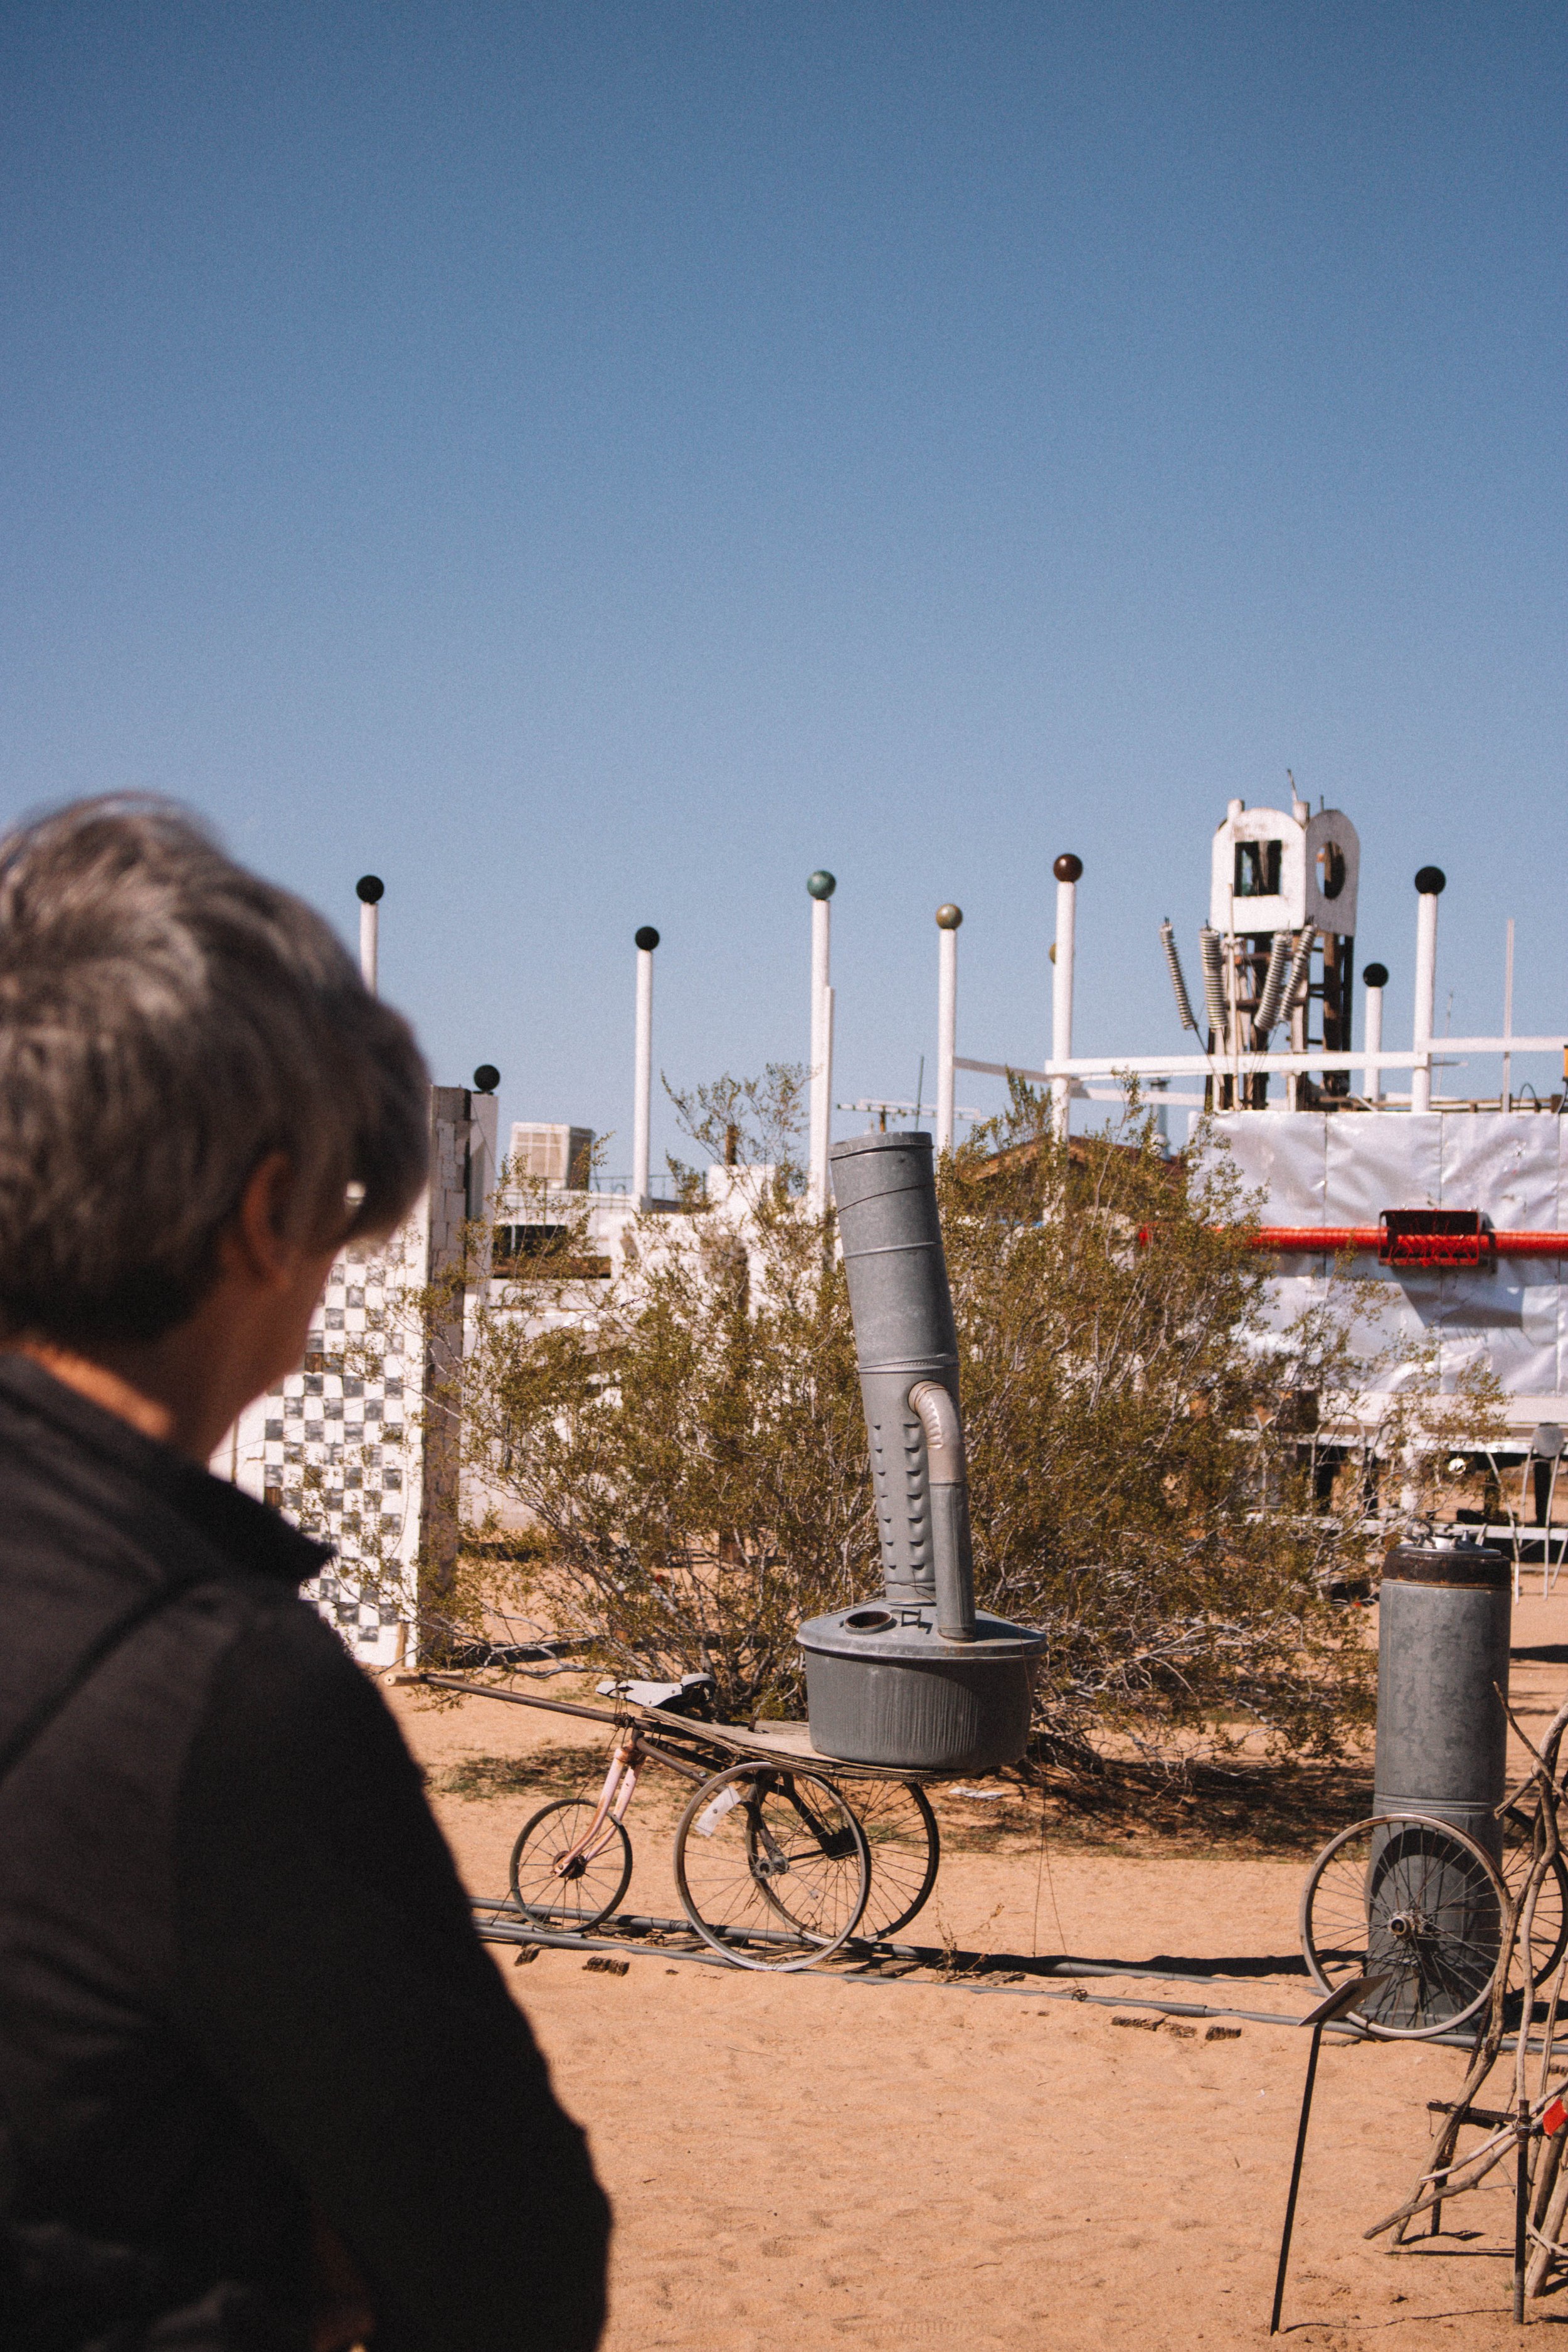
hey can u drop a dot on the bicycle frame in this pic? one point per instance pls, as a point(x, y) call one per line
point(620, 1780)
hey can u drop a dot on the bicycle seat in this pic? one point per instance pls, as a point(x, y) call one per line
point(689, 1696)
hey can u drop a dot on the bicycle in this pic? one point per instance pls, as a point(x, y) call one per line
point(781, 1855)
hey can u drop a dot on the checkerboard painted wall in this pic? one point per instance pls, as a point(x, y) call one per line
point(359, 1446)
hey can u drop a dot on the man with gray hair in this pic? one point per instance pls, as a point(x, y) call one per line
point(260, 2086)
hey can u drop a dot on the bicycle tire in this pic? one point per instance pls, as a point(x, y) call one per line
point(791, 1823)
point(539, 1846)
point(1413, 1899)
point(1550, 1939)
point(905, 1847)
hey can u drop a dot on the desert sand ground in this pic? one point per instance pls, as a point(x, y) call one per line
point(817, 2162)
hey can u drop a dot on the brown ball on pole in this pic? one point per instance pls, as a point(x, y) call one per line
point(1067, 868)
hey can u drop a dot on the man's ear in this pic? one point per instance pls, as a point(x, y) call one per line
point(256, 1242)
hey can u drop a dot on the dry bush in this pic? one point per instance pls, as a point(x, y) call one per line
point(687, 1440)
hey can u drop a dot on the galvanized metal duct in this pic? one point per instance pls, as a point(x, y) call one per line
point(1444, 1617)
point(920, 1680)
point(947, 1477)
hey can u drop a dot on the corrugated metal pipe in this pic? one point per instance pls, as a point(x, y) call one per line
point(1214, 979)
point(947, 1478)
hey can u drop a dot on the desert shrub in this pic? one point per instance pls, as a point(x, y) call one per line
point(1142, 1481)
point(687, 1439)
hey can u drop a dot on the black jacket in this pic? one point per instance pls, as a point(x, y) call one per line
point(238, 1981)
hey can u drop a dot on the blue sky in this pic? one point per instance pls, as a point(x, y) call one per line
point(594, 463)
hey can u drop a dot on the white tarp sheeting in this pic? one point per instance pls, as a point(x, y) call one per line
point(1345, 1167)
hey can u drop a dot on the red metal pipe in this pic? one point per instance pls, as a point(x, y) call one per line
point(1321, 1239)
point(1318, 1238)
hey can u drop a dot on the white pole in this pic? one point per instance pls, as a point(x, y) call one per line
point(642, 1098)
point(1375, 980)
point(1067, 870)
point(1507, 1102)
point(948, 919)
point(825, 1173)
point(369, 890)
point(821, 887)
point(1429, 883)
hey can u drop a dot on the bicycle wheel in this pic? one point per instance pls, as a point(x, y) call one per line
point(1549, 1929)
point(571, 1893)
point(771, 1865)
point(1415, 1902)
point(905, 1848)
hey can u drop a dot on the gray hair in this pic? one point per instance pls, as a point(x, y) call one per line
point(167, 1021)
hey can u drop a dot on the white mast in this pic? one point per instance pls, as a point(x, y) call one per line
point(821, 887)
point(948, 919)
point(642, 1098)
point(369, 890)
point(1067, 870)
point(1429, 884)
point(1375, 980)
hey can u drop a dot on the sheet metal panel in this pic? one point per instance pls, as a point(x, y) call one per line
point(1282, 1156)
point(1509, 1317)
point(1346, 1168)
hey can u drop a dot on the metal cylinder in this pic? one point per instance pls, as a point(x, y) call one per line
point(921, 1681)
point(1442, 1684)
point(903, 1311)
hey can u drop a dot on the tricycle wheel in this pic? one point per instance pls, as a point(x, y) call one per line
point(1412, 1900)
point(905, 1847)
point(553, 1883)
point(771, 1865)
